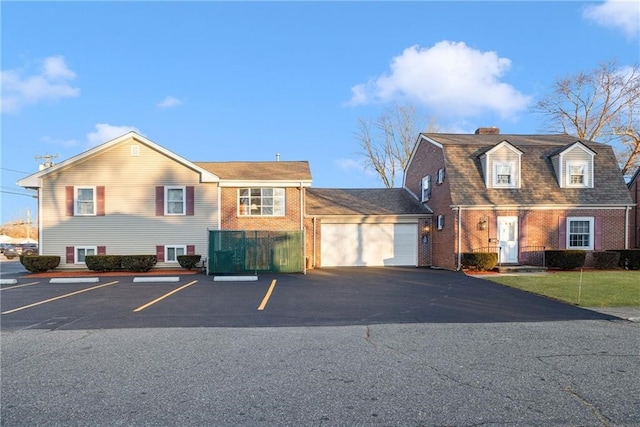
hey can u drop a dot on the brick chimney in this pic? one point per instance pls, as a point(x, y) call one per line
point(488, 131)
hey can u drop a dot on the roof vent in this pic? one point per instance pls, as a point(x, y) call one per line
point(488, 131)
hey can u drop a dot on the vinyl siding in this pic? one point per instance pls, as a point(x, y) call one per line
point(503, 154)
point(130, 224)
point(577, 154)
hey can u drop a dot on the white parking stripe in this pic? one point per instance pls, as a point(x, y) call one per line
point(19, 286)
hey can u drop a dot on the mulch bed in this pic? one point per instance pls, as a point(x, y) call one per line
point(89, 273)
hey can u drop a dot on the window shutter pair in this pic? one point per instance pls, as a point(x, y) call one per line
point(189, 201)
point(70, 200)
point(598, 239)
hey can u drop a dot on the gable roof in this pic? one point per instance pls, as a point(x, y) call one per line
point(539, 185)
point(363, 201)
point(291, 172)
point(35, 180)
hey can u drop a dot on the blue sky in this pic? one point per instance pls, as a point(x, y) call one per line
point(227, 81)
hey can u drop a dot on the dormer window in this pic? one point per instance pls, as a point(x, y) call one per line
point(501, 166)
point(576, 174)
point(503, 174)
point(574, 166)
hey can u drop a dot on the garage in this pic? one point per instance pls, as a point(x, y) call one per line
point(392, 244)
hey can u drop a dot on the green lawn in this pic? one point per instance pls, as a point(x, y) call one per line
point(586, 289)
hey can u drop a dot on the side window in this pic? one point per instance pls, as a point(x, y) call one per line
point(83, 251)
point(426, 188)
point(440, 222)
point(261, 202)
point(172, 252)
point(174, 201)
point(440, 176)
point(580, 233)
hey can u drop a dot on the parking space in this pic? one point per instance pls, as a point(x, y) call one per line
point(340, 296)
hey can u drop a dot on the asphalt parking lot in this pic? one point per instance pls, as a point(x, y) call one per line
point(324, 297)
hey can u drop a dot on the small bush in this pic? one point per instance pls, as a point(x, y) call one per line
point(188, 261)
point(629, 259)
point(103, 263)
point(481, 261)
point(39, 263)
point(605, 260)
point(566, 259)
point(138, 263)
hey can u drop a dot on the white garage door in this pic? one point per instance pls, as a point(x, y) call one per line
point(369, 244)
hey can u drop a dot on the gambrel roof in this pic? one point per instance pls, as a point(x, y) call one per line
point(462, 154)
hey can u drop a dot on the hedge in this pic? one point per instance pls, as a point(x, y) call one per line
point(629, 259)
point(566, 259)
point(138, 263)
point(481, 261)
point(189, 261)
point(103, 263)
point(39, 263)
point(605, 260)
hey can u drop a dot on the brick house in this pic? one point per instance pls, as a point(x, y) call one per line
point(634, 226)
point(518, 195)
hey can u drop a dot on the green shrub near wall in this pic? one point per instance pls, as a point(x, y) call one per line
point(605, 260)
point(39, 263)
point(565, 259)
point(103, 263)
point(481, 261)
point(189, 261)
point(138, 263)
point(629, 259)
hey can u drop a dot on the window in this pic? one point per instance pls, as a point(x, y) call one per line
point(172, 252)
point(440, 222)
point(503, 174)
point(580, 233)
point(85, 201)
point(83, 251)
point(576, 174)
point(426, 188)
point(174, 201)
point(440, 176)
point(261, 202)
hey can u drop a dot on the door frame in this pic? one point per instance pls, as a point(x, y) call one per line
point(509, 256)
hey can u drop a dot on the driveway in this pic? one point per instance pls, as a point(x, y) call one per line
point(324, 297)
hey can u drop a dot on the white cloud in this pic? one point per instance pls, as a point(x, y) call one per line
point(106, 132)
point(622, 14)
point(66, 143)
point(50, 84)
point(449, 77)
point(169, 101)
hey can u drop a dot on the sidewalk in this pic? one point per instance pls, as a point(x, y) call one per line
point(631, 314)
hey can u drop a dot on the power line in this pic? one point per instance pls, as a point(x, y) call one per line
point(19, 194)
point(13, 170)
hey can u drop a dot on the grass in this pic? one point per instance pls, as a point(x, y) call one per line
point(585, 289)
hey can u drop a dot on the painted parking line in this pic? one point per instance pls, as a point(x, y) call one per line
point(265, 300)
point(59, 297)
point(19, 286)
point(149, 304)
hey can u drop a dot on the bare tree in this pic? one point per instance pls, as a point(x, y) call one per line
point(604, 105)
point(387, 141)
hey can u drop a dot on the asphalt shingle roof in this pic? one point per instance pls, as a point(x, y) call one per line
point(539, 184)
point(363, 201)
point(259, 171)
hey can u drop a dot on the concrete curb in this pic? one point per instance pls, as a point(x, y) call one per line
point(8, 281)
point(235, 278)
point(75, 280)
point(156, 279)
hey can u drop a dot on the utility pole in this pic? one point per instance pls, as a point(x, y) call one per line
point(48, 160)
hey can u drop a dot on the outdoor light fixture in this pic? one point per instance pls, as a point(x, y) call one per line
point(425, 234)
point(482, 224)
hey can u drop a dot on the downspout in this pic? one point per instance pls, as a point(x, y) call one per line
point(304, 246)
point(626, 227)
point(459, 239)
point(313, 251)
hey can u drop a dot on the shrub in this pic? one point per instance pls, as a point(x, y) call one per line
point(481, 261)
point(138, 263)
point(188, 261)
point(39, 263)
point(566, 259)
point(103, 262)
point(605, 260)
point(629, 259)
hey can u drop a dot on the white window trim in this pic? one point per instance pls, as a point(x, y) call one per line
point(440, 176)
point(592, 234)
point(586, 176)
point(273, 205)
point(425, 186)
point(512, 169)
point(76, 256)
point(166, 199)
point(76, 211)
point(166, 252)
point(440, 222)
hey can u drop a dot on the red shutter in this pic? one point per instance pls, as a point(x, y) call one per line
point(160, 253)
point(69, 200)
point(100, 198)
point(102, 250)
point(159, 201)
point(191, 249)
point(562, 232)
point(190, 201)
point(598, 242)
point(70, 254)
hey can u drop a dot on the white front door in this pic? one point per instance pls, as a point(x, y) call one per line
point(508, 238)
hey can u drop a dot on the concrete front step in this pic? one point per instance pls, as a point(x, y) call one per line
point(521, 269)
